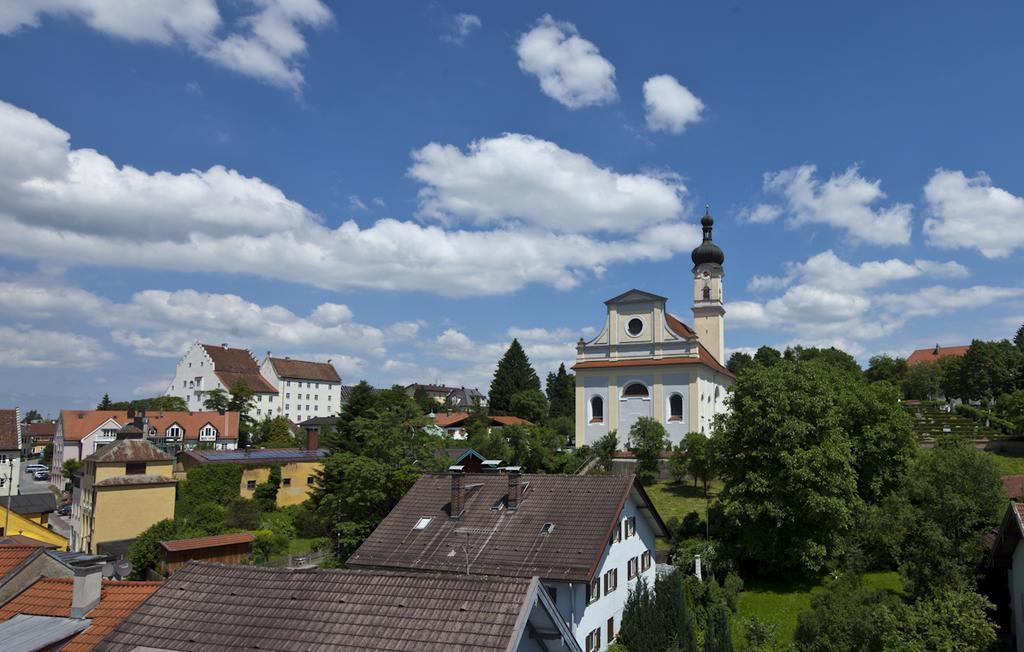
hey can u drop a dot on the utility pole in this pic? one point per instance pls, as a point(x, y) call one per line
point(10, 485)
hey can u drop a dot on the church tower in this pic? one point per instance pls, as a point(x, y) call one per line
point(708, 308)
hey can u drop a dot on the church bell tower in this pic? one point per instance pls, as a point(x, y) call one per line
point(708, 307)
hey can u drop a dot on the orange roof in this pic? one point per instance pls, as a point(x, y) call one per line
point(678, 327)
point(703, 357)
point(208, 542)
point(510, 421)
point(52, 597)
point(12, 556)
point(452, 419)
point(936, 353)
point(79, 423)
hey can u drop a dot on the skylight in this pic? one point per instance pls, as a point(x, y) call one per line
point(548, 527)
point(422, 523)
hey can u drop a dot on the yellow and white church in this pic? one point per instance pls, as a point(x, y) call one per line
point(647, 363)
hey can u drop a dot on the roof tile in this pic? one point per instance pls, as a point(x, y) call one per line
point(9, 430)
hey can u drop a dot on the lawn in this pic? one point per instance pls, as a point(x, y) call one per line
point(680, 498)
point(779, 602)
point(1009, 463)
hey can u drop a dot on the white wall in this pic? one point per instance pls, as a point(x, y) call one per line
point(193, 376)
point(297, 400)
point(10, 474)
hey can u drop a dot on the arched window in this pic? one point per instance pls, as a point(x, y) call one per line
point(675, 408)
point(635, 390)
point(707, 293)
point(596, 409)
point(174, 432)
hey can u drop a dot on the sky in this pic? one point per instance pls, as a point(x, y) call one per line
point(405, 187)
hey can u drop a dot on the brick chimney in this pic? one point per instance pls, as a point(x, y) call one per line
point(86, 589)
point(514, 488)
point(312, 439)
point(458, 503)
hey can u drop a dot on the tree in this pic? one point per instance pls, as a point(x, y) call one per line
point(166, 403)
point(951, 371)
point(105, 403)
point(887, 368)
point(647, 439)
point(561, 391)
point(717, 636)
point(361, 404)
point(513, 375)
point(991, 369)
point(274, 433)
point(678, 464)
point(529, 404)
point(70, 467)
point(144, 552)
point(672, 609)
point(208, 484)
point(47, 455)
point(216, 400)
point(1011, 407)
point(737, 361)
point(269, 543)
point(425, 401)
point(265, 494)
point(698, 458)
point(32, 416)
point(948, 620)
point(848, 617)
point(841, 360)
point(1018, 338)
point(639, 623)
point(922, 381)
point(605, 449)
point(766, 356)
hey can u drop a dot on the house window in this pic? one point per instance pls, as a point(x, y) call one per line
point(287, 482)
point(632, 568)
point(616, 535)
point(3, 481)
point(310, 480)
point(250, 484)
point(675, 407)
point(209, 433)
point(611, 580)
point(645, 560)
point(594, 590)
point(135, 468)
point(594, 640)
point(635, 326)
point(287, 394)
point(636, 390)
point(174, 432)
point(553, 593)
point(630, 525)
point(611, 629)
point(596, 409)
point(288, 383)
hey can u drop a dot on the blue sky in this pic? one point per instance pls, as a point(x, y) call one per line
point(404, 188)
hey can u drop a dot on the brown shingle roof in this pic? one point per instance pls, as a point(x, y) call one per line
point(12, 556)
point(582, 508)
point(52, 597)
point(305, 370)
point(234, 365)
point(214, 541)
point(41, 429)
point(129, 450)
point(936, 353)
point(79, 423)
point(9, 430)
point(234, 608)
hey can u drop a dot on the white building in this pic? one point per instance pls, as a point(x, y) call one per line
point(589, 538)
point(10, 452)
point(207, 367)
point(305, 390)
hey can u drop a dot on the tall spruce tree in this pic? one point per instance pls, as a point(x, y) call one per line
point(639, 620)
point(362, 402)
point(670, 604)
point(1018, 339)
point(717, 637)
point(513, 375)
point(561, 392)
point(105, 404)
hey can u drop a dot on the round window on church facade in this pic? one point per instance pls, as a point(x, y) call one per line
point(635, 326)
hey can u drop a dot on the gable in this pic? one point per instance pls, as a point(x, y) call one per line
point(636, 296)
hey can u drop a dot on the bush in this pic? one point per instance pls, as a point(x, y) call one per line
point(733, 586)
point(306, 522)
point(269, 543)
point(1004, 426)
point(265, 494)
point(145, 551)
point(213, 483)
point(759, 634)
point(243, 514)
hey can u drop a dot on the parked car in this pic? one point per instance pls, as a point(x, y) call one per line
point(41, 475)
point(34, 468)
point(64, 509)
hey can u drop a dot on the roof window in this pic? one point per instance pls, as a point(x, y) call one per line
point(547, 528)
point(422, 523)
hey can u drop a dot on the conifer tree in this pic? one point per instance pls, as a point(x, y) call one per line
point(561, 392)
point(637, 617)
point(673, 611)
point(105, 404)
point(717, 637)
point(361, 403)
point(513, 375)
point(1018, 339)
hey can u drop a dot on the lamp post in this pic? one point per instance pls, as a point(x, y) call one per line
point(10, 484)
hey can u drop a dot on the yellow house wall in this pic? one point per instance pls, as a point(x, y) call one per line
point(297, 472)
point(18, 524)
point(125, 512)
point(117, 469)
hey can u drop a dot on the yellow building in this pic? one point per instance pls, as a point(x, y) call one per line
point(298, 469)
point(13, 523)
point(125, 487)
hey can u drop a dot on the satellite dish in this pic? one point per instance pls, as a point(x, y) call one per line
point(108, 570)
point(123, 568)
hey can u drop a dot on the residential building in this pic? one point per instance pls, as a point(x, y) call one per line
point(234, 548)
point(13, 524)
point(456, 397)
point(82, 432)
point(10, 452)
point(37, 435)
point(298, 468)
point(206, 367)
point(21, 565)
point(470, 460)
point(35, 507)
point(316, 427)
point(589, 538)
point(454, 423)
point(305, 389)
point(1006, 569)
point(936, 353)
point(239, 608)
point(647, 363)
point(78, 611)
point(124, 488)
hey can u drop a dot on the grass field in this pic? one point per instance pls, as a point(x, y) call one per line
point(1009, 463)
point(779, 602)
point(679, 499)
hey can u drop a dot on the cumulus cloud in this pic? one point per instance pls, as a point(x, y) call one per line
point(570, 68)
point(844, 202)
point(518, 177)
point(78, 206)
point(33, 348)
point(265, 45)
point(760, 214)
point(670, 105)
point(461, 26)
point(970, 212)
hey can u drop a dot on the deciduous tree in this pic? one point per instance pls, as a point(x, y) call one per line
point(737, 361)
point(529, 404)
point(698, 458)
point(647, 439)
point(887, 368)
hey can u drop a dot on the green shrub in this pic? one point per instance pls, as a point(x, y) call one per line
point(733, 586)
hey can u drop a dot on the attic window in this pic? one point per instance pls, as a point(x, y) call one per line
point(422, 523)
point(635, 326)
point(636, 390)
point(547, 529)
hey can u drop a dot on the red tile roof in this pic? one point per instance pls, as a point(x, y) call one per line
point(234, 365)
point(936, 353)
point(678, 327)
point(11, 556)
point(454, 419)
point(9, 430)
point(41, 429)
point(214, 541)
point(509, 421)
point(52, 597)
point(79, 423)
point(1013, 485)
point(703, 357)
point(305, 370)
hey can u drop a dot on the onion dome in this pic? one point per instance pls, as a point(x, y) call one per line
point(707, 251)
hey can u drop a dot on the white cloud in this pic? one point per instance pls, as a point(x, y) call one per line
point(938, 299)
point(355, 203)
point(518, 177)
point(969, 212)
point(570, 68)
point(29, 347)
point(843, 202)
point(670, 105)
point(265, 45)
point(760, 214)
point(462, 25)
point(77, 206)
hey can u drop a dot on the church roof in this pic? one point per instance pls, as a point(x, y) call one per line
point(707, 251)
point(703, 357)
point(635, 295)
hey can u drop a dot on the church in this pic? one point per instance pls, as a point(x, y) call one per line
point(647, 363)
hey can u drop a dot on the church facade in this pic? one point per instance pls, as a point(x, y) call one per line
point(648, 363)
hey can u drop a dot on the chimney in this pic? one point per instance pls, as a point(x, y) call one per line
point(936, 352)
point(330, 360)
point(268, 354)
point(85, 590)
point(458, 492)
point(313, 439)
point(223, 345)
point(514, 488)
